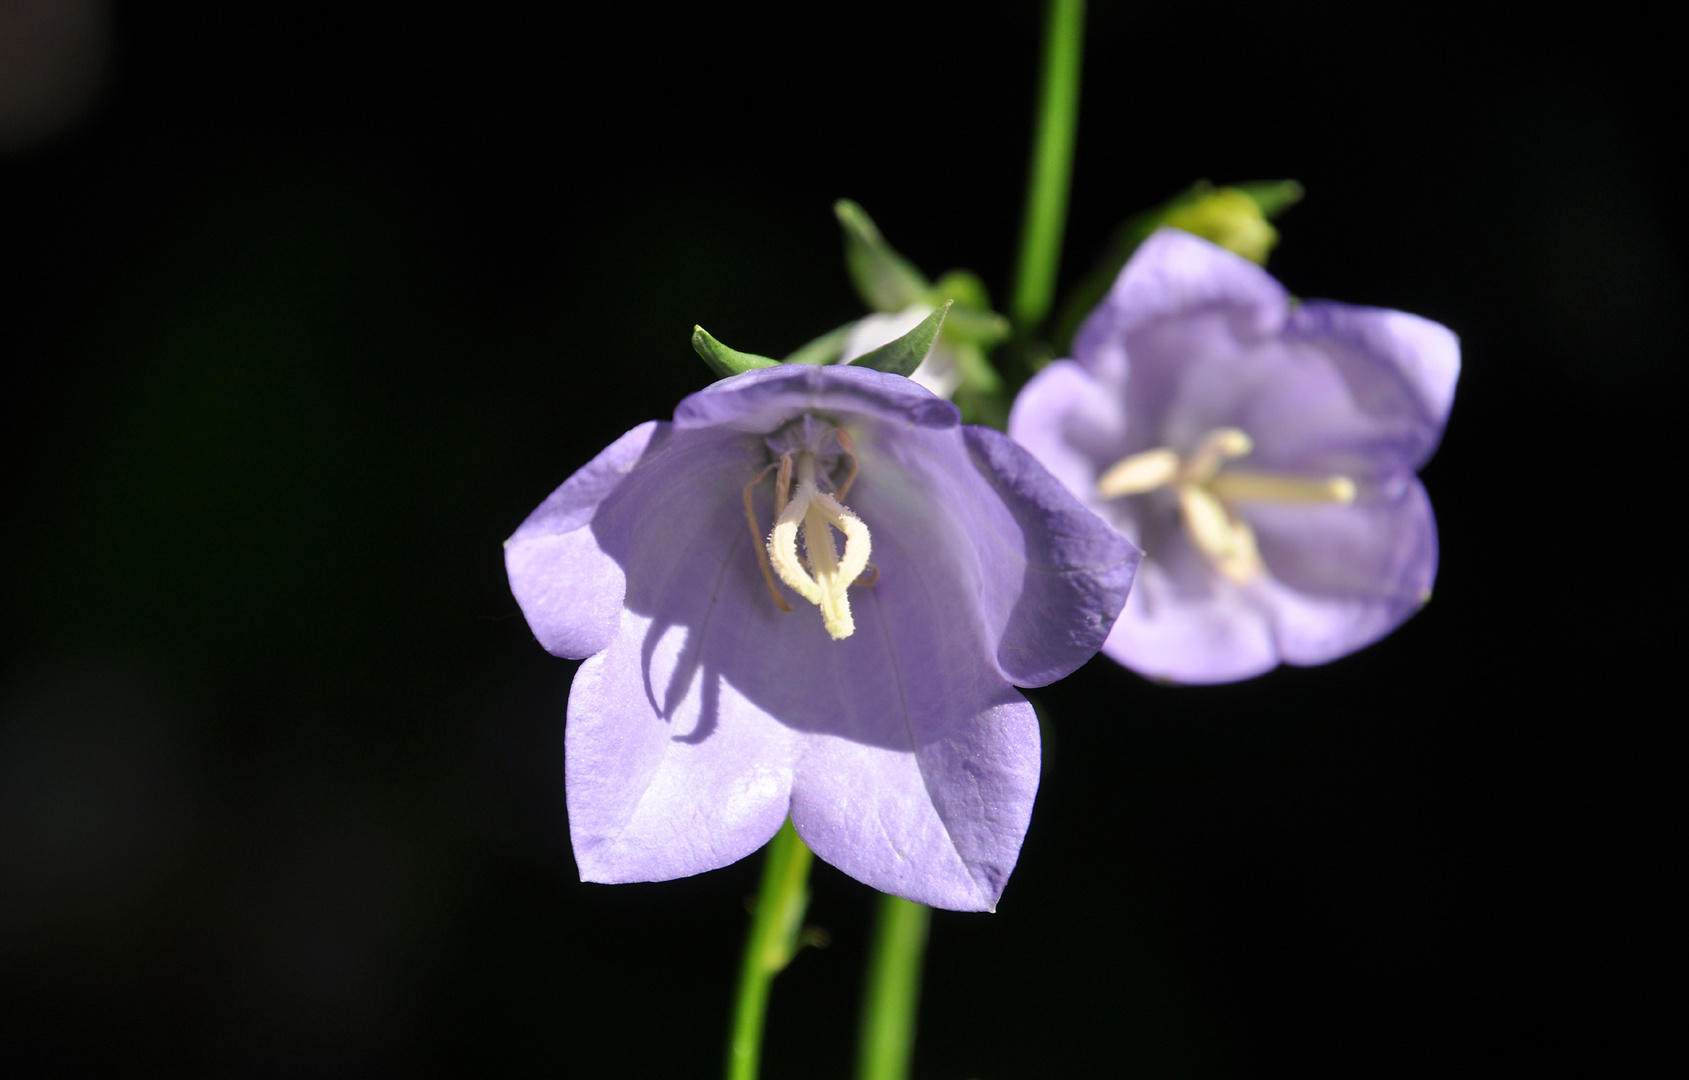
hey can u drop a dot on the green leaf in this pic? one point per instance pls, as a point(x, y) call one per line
point(825, 349)
point(903, 356)
point(885, 280)
point(724, 361)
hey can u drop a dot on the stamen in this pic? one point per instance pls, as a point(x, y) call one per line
point(868, 578)
point(857, 542)
point(817, 513)
point(782, 484)
point(1228, 541)
point(848, 445)
point(1243, 485)
point(1216, 448)
point(1139, 474)
point(1206, 490)
point(756, 533)
point(783, 549)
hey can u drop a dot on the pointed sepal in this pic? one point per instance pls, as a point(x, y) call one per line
point(904, 355)
point(724, 361)
point(885, 280)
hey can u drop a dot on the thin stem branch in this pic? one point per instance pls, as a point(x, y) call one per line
point(893, 991)
point(769, 947)
point(1051, 171)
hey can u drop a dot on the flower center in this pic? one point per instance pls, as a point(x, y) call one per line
point(1208, 491)
point(821, 574)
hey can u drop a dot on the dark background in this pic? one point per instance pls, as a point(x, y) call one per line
point(316, 301)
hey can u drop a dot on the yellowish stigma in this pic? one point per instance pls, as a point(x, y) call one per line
point(811, 515)
point(1208, 491)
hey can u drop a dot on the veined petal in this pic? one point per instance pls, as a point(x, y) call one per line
point(669, 769)
point(569, 589)
point(921, 782)
point(1401, 369)
point(1174, 275)
point(1185, 623)
point(939, 821)
point(1072, 424)
point(1346, 575)
point(1074, 570)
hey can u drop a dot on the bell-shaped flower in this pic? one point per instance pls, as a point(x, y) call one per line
point(1262, 452)
point(812, 594)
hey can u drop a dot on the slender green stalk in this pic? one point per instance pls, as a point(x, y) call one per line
point(1051, 170)
point(893, 991)
point(769, 948)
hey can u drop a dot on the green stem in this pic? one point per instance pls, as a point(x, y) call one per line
point(893, 990)
point(1052, 165)
point(769, 948)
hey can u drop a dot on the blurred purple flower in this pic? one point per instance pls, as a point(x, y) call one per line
point(885, 723)
point(1261, 452)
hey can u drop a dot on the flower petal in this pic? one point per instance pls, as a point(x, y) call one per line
point(762, 400)
point(1186, 623)
point(670, 769)
point(1400, 368)
point(1344, 576)
point(1072, 424)
point(569, 590)
point(1074, 570)
point(1175, 274)
point(920, 780)
point(940, 820)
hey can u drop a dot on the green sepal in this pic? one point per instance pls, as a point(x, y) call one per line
point(724, 361)
point(972, 319)
point(1234, 217)
point(885, 280)
point(903, 356)
point(825, 349)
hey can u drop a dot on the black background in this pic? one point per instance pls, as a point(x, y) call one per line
point(321, 299)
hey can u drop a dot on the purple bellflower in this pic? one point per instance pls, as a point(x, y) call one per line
point(1262, 452)
point(741, 667)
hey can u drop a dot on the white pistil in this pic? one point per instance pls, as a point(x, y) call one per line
point(816, 513)
point(1207, 491)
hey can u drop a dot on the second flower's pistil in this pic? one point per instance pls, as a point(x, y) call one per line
point(1208, 491)
point(821, 574)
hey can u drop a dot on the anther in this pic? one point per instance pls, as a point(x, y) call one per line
point(848, 445)
point(756, 533)
point(1139, 474)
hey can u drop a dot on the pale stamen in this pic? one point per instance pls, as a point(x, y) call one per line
point(1139, 474)
point(1212, 451)
point(1227, 540)
point(1244, 485)
point(816, 514)
point(1207, 489)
